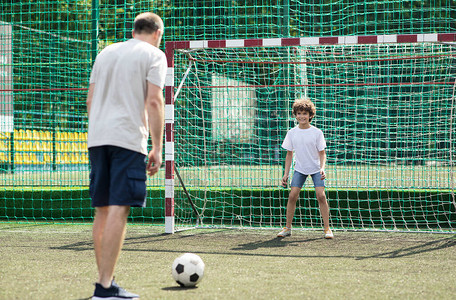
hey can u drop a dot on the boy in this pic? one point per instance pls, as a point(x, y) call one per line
point(309, 145)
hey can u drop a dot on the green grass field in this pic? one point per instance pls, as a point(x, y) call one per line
point(51, 261)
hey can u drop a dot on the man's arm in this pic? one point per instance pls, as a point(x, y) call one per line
point(155, 113)
point(90, 97)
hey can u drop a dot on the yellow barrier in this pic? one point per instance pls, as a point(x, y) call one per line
point(35, 147)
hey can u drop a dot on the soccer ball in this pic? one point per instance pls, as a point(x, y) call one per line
point(188, 270)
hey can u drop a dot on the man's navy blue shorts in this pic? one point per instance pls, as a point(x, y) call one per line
point(117, 177)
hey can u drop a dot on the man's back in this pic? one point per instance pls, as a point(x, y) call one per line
point(120, 74)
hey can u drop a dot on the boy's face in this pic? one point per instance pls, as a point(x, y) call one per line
point(303, 118)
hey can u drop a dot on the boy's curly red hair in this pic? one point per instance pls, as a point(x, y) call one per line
point(304, 105)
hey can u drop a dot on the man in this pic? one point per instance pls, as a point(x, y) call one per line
point(125, 104)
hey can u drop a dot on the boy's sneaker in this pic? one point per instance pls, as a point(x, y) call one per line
point(285, 232)
point(328, 234)
point(115, 292)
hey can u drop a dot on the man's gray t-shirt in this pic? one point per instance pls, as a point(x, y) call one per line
point(120, 74)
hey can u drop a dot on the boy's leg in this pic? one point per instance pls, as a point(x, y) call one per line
point(112, 238)
point(296, 185)
point(291, 205)
point(323, 203)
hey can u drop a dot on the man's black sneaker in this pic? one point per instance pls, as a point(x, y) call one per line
point(115, 292)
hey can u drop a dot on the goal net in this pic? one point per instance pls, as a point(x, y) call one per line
point(384, 103)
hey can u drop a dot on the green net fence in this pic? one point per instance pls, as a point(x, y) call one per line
point(46, 52)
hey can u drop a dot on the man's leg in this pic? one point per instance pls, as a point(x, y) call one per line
point(99, 222)
point(108, 247)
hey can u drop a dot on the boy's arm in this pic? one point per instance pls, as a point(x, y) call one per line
point(288, 161)
point(322, 163)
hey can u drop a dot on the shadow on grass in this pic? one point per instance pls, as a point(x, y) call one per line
point(169, 288)
point(274, 243)
point(419, 249)
point(140, 240)
point(249, 249)
point(179, 288)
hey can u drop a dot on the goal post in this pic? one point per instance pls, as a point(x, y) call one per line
point(385, 104)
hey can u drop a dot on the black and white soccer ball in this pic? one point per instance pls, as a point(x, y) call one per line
point(188, 270)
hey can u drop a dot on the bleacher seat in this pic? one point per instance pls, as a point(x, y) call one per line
point(85, 158)
point(75, 158)
point(19, 145)
point(59, 146)
point(47, 146)
point(19, 134)
point(72, 137)
point(27, 146)
point(60, 159)
point(36, 135)
point(28, 135)
point(45, 136)
point(47, 158)
point(64, 136)
point(5, 135)
point(4, 145)
point(18, 158)
point(4, 157)
point(37, 146)
point(33, 147)
point(32, 159)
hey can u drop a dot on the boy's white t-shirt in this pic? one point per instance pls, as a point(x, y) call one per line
point(117, 114)
point(306, 143)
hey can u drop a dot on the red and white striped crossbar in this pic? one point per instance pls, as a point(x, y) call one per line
point(327, 40)
point(269, 42)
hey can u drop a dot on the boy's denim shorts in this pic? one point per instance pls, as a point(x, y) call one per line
point(117, 177)
point(299, 179)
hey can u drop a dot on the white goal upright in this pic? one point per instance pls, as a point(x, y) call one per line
point(385, 103)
